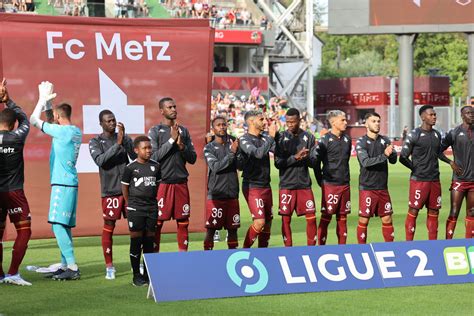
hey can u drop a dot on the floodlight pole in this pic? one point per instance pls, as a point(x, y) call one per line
point(405, 82)
point(470, 69)
point(393, 126)
point(309, 60)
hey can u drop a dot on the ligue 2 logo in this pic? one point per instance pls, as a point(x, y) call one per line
point(247, 271)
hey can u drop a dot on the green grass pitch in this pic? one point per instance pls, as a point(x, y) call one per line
point(93, 295)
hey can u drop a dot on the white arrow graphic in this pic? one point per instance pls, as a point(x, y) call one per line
point(114, 99)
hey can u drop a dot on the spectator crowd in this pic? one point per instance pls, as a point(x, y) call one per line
point(233, 107)
point(13, 6)
point(72, 7)
point(131, 9)
point(219, 16)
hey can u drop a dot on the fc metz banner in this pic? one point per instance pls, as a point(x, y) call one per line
point(95, 64)
point(265, 271)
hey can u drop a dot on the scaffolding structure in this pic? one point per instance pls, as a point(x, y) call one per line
point(293, 24)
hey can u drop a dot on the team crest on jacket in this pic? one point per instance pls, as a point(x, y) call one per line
point(152, 168)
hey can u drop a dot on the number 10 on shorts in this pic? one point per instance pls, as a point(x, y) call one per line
point(259, 203)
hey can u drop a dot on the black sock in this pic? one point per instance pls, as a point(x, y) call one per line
point(148, 247)
point(135, 252)
point(148, 244)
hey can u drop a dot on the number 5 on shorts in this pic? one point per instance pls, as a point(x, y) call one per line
point(417, 194)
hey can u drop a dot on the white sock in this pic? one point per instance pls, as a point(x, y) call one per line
point(73, 267)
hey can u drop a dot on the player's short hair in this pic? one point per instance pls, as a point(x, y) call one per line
point(424, 108)
point(465, 108)
point(8, 117)
point(161, 103)
point(370, 114)
point(216, 119)
point(293, 112)
point(104, 113)
point(251, 114)
point(140, 139)
point(64, 110)
point(334, 113)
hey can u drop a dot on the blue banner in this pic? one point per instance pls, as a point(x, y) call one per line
point(246, 272)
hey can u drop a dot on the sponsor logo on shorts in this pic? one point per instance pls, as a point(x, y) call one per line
point(245, 277)
point(438, 201)
point(185, 209)
point(348, 205)
point(16, 210)
point(388, 206)
point(236, 218)
point(309, 204)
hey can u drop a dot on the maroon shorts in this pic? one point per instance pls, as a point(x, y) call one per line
point(425, 193)
point(222, 214)
point(14, 204)
point(260, 202)
point(301, 200)
point(173, 201)
point(462, 186)
point(336, 199)
point(113, 207)
point(374, 203)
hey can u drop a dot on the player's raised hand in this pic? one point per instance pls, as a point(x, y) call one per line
point(3, 91)
point(457, 170)
point(174, 133)
point(302, 154)
point(209, 137)
point(120, 133)
point(278, 124)
point(272, 129)
point(46, 91)
point(388, 150)
point(234, 145)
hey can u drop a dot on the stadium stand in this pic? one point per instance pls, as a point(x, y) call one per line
point(233, 107)
point(221, 14)
point(14, 6)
